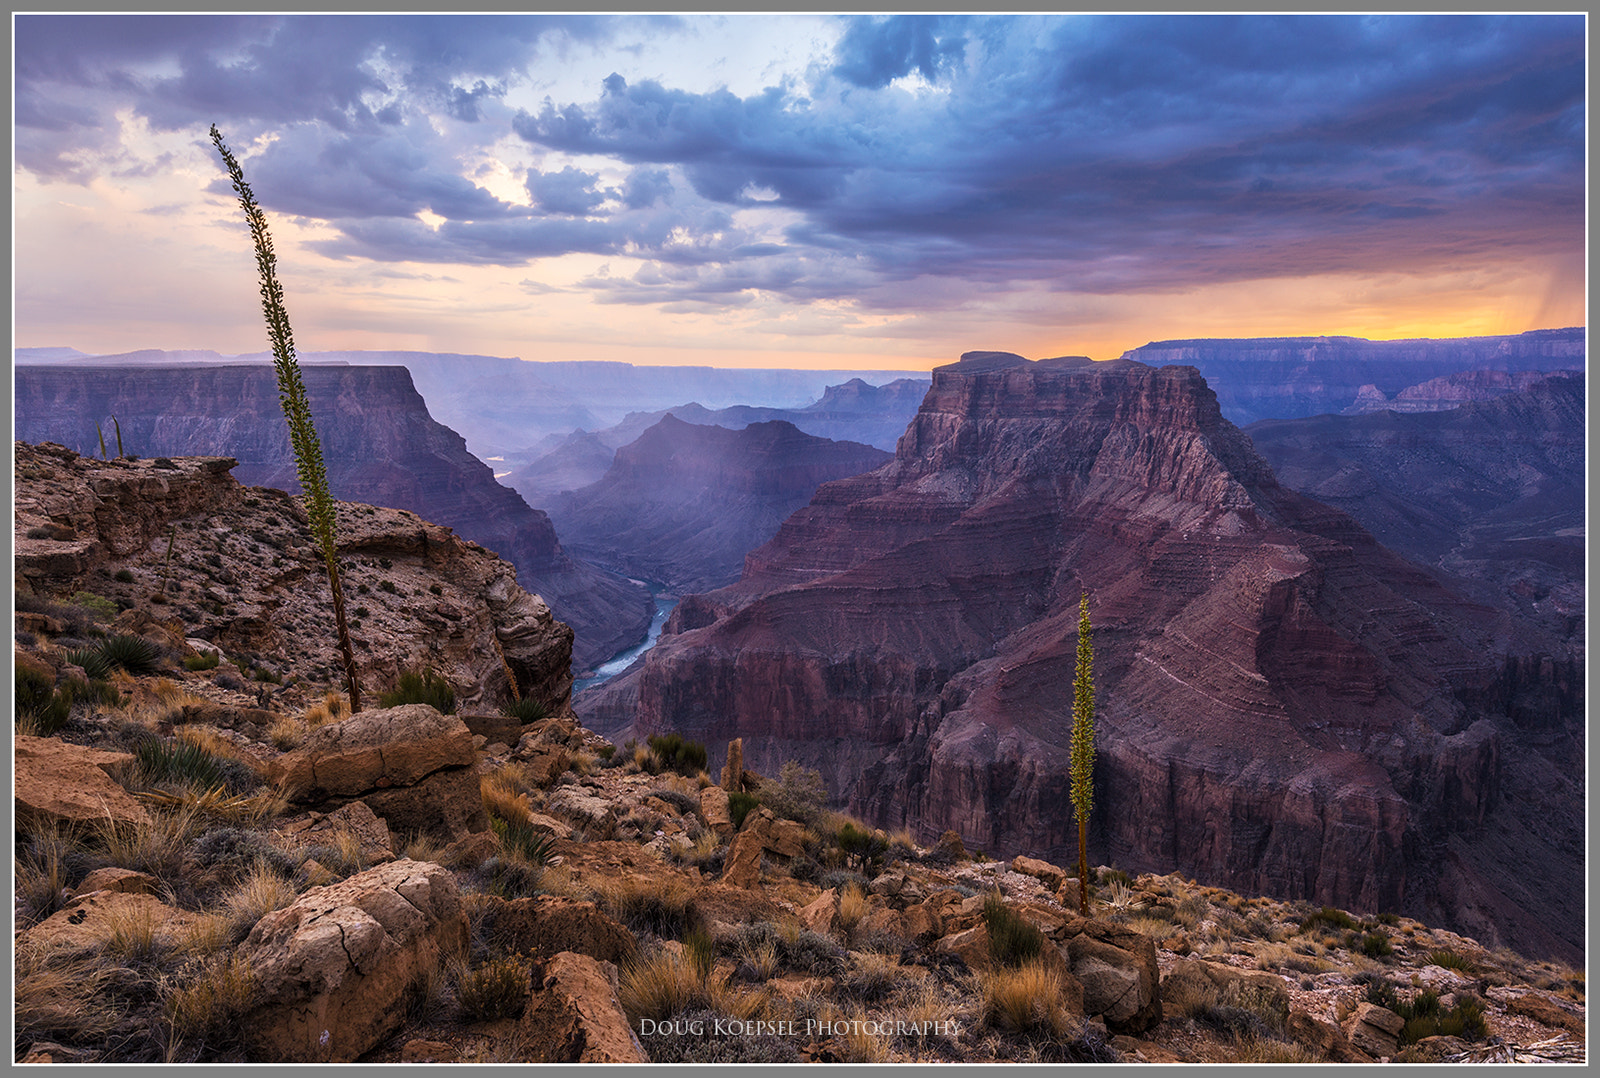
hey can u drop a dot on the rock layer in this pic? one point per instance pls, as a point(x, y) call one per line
point(1275, 688)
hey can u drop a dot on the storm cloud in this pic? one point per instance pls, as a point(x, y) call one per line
point(1129, 154)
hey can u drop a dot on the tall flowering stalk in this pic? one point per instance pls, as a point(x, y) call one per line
point(309, 468)
point(1083, 747)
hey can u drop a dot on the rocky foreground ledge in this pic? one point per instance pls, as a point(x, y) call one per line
point(216, 862)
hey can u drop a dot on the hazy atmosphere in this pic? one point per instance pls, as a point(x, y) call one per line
point(798, 190)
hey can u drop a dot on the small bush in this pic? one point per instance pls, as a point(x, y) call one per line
point(1012, 940)
point(523, 840)
point(123, 576)
point(1374, 945)
point(206, 660)
point(1329, 916)
point(1025, 999)
point(40, 708)
point(526, 710)
point(1451, 960)
point(665, 907)
point(98, 606)
point(187, 764)
point(684, 757)
point(91, 661)
point(796, 794)
point(497, 989)
point(740, 805)
point(863, 848)
point(421, 687)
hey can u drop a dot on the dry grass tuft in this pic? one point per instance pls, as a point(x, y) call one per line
point(504, 797)
point(287, 733)
point(61, 994)
point(130, 934)
point(257, 895)
point(852, 907)
point(1022, 1000)
point(208, 1007)
point(1267, 1050)
point(661, 986)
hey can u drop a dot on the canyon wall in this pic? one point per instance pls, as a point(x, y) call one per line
point(1286, 706)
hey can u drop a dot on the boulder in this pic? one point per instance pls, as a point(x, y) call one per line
point(58, 782)
point(1117, 968)
point(1432, 1050)
point(1324, 1039)
point(125, 880)
point(575, 1015)
point(333, 969)
point(89, 920)
point(1256, 990)
point(822, 913)
point(413, 766)
point(922, 922)
point(1043, 871)
point(546, 925)
point(733, 769)
point(714, 808)
point(356, 820)
point(971, 946)
point(743, 865)
point(583, 809)
point(881, 922)
point(951, 846)
point(1375, 1030)
point(786, 838)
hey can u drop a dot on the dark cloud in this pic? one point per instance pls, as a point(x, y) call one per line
point(570, 191)
point(1093, 154)
point(874, 52)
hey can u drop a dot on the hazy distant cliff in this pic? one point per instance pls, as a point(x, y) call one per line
point(381, 447)
point(1287, 377)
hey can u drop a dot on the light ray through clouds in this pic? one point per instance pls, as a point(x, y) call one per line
point(789, 190)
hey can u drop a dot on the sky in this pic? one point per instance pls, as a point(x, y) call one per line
point(797, 190)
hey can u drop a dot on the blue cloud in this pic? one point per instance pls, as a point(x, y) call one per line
point(874, 52)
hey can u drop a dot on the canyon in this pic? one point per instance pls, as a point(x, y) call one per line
point(683, 503)
point(1285, 705)
point(1488, 494)
point(380, 445)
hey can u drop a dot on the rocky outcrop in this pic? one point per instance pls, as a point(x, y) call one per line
point(1271, 681)
point(411, 765)
point(380, 445)
point(683, 504)
point(1117, 968)
point(1286, 377)
point(332, 970)
point(238, 568)
point(545, 925)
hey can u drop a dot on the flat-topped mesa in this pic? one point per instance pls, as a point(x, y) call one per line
point(1275, 687)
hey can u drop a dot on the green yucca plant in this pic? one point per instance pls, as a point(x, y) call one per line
point(309, 468)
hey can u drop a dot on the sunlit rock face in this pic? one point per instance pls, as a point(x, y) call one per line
point(1285, 706)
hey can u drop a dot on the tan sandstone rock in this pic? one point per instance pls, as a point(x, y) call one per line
point(546, 925)
point(733, 769)
point(714, 807)
point(58, 782)
point(1043, 871)
point(1117, 968)
point(333, 969)
point(575, 1015)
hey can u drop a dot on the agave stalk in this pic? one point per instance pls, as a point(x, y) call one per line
point(1083, 747)
point(309, 467)
point(98, 433)
point(118, 427)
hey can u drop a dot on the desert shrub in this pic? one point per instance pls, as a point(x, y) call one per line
point(97, 606)
point(497, 989)
point(422, 686)
point(1012, 940)
point(1374, 944)
point(863, 848)
point(871, 978)
point(665, 907)
point(92, 662)
point(525, 710)
point(1380, 993)
point(47, 863)
point(692, 1038)
point(206, 660)
point(701, 951)
point(839, 879)
point(123, 576)
point(660, 986)
point(684, 757)
point(797, 949)
point(134, 654)
point(1425, 1017)
point(1327, 915)
point(740, 805)
point(241, 849)
point(1387, 918)
point(606, 752)
point(523, 840)
point(170, 760)
point(676, 798)
point(796, 794)
point(1451, 960)
point(40, 708)
point(261, 891)
point(203, 1010)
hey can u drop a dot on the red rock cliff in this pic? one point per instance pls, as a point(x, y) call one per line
point(1281, 699)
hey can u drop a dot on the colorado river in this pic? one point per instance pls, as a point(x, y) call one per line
point(621, 661)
